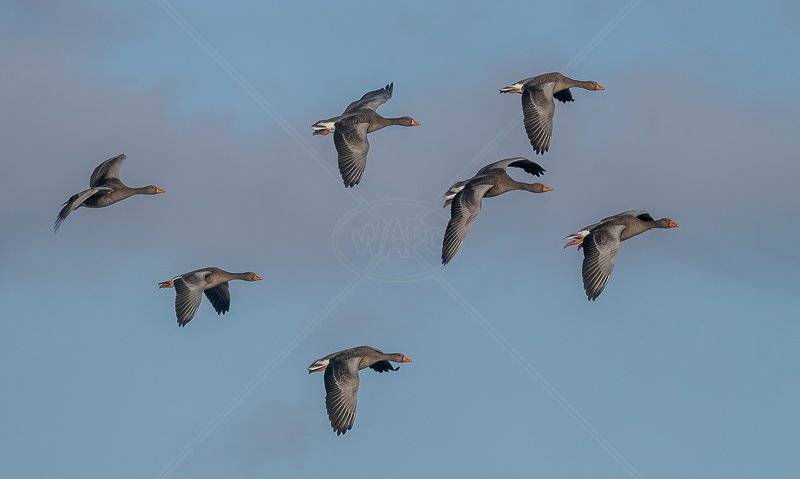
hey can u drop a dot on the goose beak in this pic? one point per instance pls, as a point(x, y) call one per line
point(415, 122)
point(599, 87)
point(159, 190)
point(546, 188)
point(573, 242)
point(405, 359)
point(672, 224)
point(257, 277)
point(166, 284)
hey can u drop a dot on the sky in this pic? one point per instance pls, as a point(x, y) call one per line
point(685, 366)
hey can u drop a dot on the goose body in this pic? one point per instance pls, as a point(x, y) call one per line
point(538, 107)
point(189, 289)
point(350, 131)
point(465, 198)
point(341, 380)
point(601, 241)
point(105, 189)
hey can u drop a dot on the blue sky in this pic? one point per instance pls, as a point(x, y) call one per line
point(684, 367)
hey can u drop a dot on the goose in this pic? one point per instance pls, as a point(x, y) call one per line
point(601, 241)
point(538, 106)
point(350, 131)
point(465, 198)
point(211, 281)
point(341, 380)
point(105, 188)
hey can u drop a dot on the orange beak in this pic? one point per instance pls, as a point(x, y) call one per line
point(599, 87)
point(159, 190)
point(166, 284)
point(573, 242)
point(546, 188)
point(257, 277)
point(672, 224)
point(415, 122)
point(405, 359)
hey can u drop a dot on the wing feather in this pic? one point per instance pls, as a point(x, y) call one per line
point(599, 254)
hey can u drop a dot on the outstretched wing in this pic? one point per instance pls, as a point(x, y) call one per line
point(220, 298)
point(383, 366)
point(466, 206)
point(526, 165)
point(599, 253)
point(341, 388)
point(107, 169)
point(371, 100)
point(537, 110)
point(563, 96)
point(352, 147)
point(76, 201)
point(188, 293)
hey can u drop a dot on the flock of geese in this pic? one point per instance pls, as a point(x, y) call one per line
point(599, 241)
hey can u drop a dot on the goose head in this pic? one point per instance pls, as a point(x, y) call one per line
point(153, 190)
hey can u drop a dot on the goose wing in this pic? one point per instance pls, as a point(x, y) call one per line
point(107, 169)
point(563, 96)
point(75, 201)
point(220, 298)
point(371, 100)
point(599, 253)
point(526, 165)
point(352, 147)
point(188, 293)
point(537, 110)
point(341, 388)
point(465, 207)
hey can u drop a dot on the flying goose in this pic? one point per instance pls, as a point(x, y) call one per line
point(601, 241)
point(538, 106)
point(189, 289)
point(465, 198)
point(105, 188)
point(341, 380)
point(350, 131)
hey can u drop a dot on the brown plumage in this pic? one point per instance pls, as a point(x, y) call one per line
point(538, 106)
point(105, 188)
point(211, 281)
point(350, 131)
point(466, 197)
point(341, 380)
point(601, 241)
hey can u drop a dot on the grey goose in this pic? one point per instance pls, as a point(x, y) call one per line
point(465, 198)
point(341, 380)
point(538, 106)
point(189, 289)
point(105, 188)
point(601, 241)
point(350, 131)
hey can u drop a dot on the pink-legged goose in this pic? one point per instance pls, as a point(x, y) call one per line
point(538, 106)
point(341, 380)
point(189, 289)
point(601, 241)
point(465, 198)
point(105, 188)
point(350, 131)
